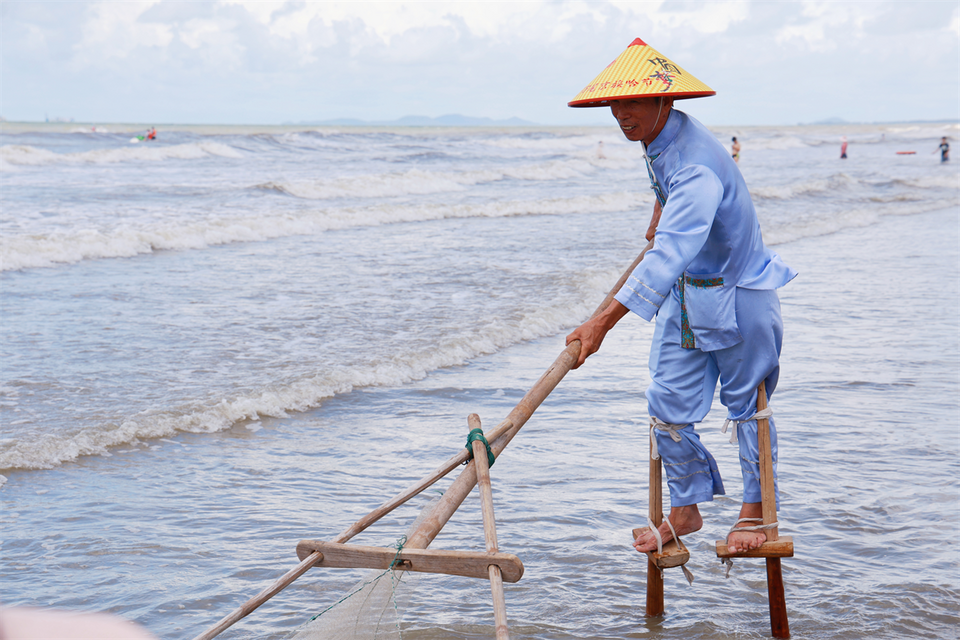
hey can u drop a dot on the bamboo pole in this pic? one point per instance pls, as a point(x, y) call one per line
point(779, 624)
point(768, 491)
point(654, 574)
point(439, 515)
point(489, 531)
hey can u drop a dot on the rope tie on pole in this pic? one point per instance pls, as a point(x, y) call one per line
point(477, 434)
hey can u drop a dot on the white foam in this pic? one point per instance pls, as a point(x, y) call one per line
point(27, 155)
point(815, 226)
point(796, 189)
point(776, 143)
point(32, 251)
point(551, 143)
point(49, 450)
point(421, 182)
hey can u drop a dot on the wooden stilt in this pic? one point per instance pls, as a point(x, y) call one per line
point(489, 531)
point(779, 626)
point(776, 546)
point(654, 575)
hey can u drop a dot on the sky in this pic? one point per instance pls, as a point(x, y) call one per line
point(245, 62)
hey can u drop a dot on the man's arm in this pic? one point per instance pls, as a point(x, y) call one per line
point(592, 332)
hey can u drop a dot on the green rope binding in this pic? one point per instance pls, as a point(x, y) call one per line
point(477, 434)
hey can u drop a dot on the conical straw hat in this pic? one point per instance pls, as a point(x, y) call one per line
point(640, 71)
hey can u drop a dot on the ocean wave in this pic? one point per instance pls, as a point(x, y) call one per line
point(815, 226)
point(148, 152)
point(549, 143)
point(950, 181)
point(840, 181)
point(46, 451)
point(421, 182)
point(776, 143)
point(32, 251)
point(796, 189)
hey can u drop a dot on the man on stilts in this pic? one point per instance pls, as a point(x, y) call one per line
point(709, 280)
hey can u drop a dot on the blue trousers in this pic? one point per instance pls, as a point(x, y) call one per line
point(683, 385)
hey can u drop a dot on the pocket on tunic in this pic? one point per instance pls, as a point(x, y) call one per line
point(712, 310)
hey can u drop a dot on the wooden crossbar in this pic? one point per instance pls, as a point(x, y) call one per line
point(782, 548)
point(470, 564)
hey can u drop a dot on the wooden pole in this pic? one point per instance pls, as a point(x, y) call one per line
point(654, 574)
point(489, 531)
point(779, 625)
point(768, 495)
point(458, 489)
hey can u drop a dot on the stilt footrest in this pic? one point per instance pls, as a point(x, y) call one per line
point(675, 553)
point(782, 548)
point(470, 564)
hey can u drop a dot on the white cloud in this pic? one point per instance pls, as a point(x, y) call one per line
point(389, 19)
point(248, 61)
point(112, 30)
point(703, 17)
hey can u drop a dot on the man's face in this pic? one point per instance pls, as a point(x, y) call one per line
point(637, 117)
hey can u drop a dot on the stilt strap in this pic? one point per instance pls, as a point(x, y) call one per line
point(657, 423)
point(765, 414)
point(477, 434)
point(759, 527)
point(656, 534)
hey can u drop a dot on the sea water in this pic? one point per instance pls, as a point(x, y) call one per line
point(230, 339)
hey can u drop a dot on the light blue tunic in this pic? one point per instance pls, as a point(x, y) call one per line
point(720, 321)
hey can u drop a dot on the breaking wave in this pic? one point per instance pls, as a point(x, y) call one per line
point(16, 154)
point(421, 182)
point(31, 251)
point(48, 450)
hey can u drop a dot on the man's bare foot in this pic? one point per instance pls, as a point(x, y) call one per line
point(740, 541)
point(684, 520)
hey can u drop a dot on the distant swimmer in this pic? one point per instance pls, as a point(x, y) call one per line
point(735, 150)
point(843, 147)
point(149, 135)
point(600, 150)
point(944, 149)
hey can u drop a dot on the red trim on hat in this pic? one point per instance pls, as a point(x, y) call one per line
point(636, 42)
point(605, 102)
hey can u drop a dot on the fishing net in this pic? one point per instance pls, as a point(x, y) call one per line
point(371, 609)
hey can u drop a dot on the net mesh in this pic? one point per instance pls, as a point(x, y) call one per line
point(372, 608)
